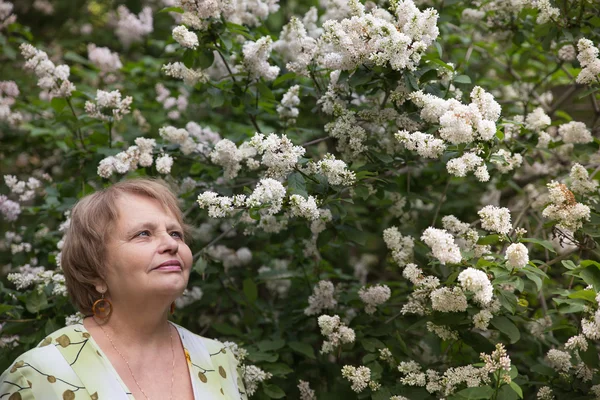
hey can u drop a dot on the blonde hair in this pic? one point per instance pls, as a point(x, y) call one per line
point(84, 251)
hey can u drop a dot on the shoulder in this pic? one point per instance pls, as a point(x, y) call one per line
point(214, 347)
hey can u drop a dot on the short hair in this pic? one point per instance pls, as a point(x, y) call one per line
point(84, 255)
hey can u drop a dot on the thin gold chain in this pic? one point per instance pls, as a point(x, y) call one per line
point(131, 372)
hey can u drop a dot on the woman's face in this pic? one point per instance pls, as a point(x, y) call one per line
point(146, 254)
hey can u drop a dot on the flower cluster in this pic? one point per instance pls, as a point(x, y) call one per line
point(256, 55)
point(185, 37)
point(180, 137)
point(378, 38)
point(517, 255)
point(581, 182)
point(477, 282)
point(25, 189)
point(336, 171)
point(497, 361)
point(564, 209)
point(104, 59)
point(442, 331)
point(189, 76)
point(359, 377)
point(401, 246)
point(306, 393)
point(174, 105)
point(9, 209)
point(575, 132)
point(252, 376)
point(136, 156)
point(53, 78)
point(6, 15)
point(425, 144)
point(39, 277)
point(304, 207)
point(230, 258)
point(588, 58)
point(546, 11)
point(188, 297)
point(8, 94)
point(442, 245)
point(374, 296)
point(336, 332)
point(296, 46)
point(109, 106)
point(277, 279)
point(321, 299)
point(131, 28)
point(495, 219)
point(279, 155)
point(249, 13)
point(288, 109)
point(448, 300)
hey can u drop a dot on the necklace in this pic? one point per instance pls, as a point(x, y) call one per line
point(131, 372)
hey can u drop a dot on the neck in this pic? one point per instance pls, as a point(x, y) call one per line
point(135, 324)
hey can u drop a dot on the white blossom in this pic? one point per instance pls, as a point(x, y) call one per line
point(103, 58)
point(517, 255)
point(575, 132)
point(296, 46)
point(185, 38)
point(424, 144)
point(189, 76)
point(164, 164)
point(53, 78)
point(374, 296)
point(279, 154)
point(495, 219)
point(305, 208)
point(448, 300)
point(252, 376)
point(288, 109)
point(477, 282)
point(401, 246)
point(359, 377)
point(581, 182)
point(131, 28)
point(442, 245)
point(256, 55)
point(564, 209)
point(336, 332)
point(321, 299)
point(546, 11)
point(590, 63)
point(109, 106)
point(559, 360)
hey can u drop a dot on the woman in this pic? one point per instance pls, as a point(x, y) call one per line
point(125, 262)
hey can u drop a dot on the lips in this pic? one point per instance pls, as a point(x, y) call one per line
point(170, 265)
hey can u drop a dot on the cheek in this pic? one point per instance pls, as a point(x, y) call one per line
point(186, 255)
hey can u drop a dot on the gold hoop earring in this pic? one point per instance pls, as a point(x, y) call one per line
point(102, 308)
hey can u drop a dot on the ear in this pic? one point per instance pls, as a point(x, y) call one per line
point(101, 287)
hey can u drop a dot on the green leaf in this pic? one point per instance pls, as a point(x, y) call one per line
point(372, 344)
point(590, 357)
point(516, 388)
point(303, 348)
point(58, 104)
point(250, 290)
point(4, 308)
point(533, 277)
point(259, 356)
point(462, 79)
point(506, 326)
point(269, 345)
point(297, 184)
point(474, 393)
point(568, 264)
point(277, 369)
point(273, 391)
point(205, 59)
point(200, 266)
point(36, 301)
point(178, 10)
point(546, 244)
point(382, 394)
point(226, 329)
point(489, 239)
point(588, 295)
point(591, 276)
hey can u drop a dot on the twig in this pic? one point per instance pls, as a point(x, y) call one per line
point(315, 141)
point(437, 210)
point(215, 240)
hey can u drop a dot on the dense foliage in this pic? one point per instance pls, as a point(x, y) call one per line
point(395, 200)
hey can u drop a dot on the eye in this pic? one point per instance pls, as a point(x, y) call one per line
point(143, 233)
point(177, 234)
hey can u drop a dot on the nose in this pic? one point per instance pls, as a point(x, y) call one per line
point(168, 244)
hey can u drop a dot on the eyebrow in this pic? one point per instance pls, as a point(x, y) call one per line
point(152, 226)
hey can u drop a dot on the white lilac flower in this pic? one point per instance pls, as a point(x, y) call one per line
point(279, 155)
point(537, 120)
point(131, 28)
point(567, 53)
point(109, 106)
point(575, 132)
point(359, 377)
point(336, 171)
point(442, 245)
point(252, 376)
point(401, 246)
point(336, 333)
point(505, 161)
point(174, 135)
point(517, 255)
point(559, 360)
point(482, 319)
point(296, 46)
point(374, 296)
point(189, 76)
point(321, 299)
point(53, 78)
point(442, 331)
point(424, 144)
point(268, 192)
point(468, 162)
point(305, 208)
point(103, 58)
point(497, 361)
point(256, 55)
point(564, 209)
point(6, 15)
point(350, 135)
point(9, 209)
point(581, 182)
point(306, 393)
point(577, 342)
point(545, 393)
point(472, 15)
point(164, 164)
point(546, 11)
point(448, 300)
point(495, 219)
point(184, 37)
point(477, 282)
point(277, 282)
point(590, 63)
point(188, 297)
point(74, 319)
point(288, 109)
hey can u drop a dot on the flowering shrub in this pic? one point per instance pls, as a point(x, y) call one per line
point(394, 199)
